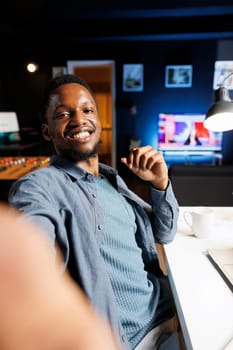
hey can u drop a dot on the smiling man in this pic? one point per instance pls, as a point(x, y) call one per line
point(74, 125)
point(106, 233)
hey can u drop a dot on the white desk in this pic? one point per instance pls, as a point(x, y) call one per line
point(204, 301)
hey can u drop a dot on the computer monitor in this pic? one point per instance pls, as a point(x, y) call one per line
point(9, 122)
point(186, 132)
point(9, 128)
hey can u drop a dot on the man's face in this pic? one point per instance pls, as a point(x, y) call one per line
point(73, 123)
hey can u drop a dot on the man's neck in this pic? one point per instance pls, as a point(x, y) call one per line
point(91, 165)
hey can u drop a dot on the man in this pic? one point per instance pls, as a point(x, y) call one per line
point(106, 233)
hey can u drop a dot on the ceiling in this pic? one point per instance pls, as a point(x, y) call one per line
point(119, 18)
point(49, 26)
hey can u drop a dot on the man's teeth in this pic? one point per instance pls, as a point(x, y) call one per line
point(81, 135)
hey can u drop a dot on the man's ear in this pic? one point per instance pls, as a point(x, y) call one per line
point(45, 132)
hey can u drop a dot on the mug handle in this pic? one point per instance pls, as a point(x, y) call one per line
point(188, 218)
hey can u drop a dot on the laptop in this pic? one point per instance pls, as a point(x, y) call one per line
point(222, 259)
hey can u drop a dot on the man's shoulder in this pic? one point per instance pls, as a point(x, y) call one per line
point(45, 180)
point(41, 176)
point(45, 171)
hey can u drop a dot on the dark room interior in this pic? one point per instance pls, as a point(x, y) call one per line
point(159, 268)
point(152, 35)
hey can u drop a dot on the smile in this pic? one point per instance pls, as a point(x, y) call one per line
point(78, 135)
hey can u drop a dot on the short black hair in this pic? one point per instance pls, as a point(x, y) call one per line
point(58, 81)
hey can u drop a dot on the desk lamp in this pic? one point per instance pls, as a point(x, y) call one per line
point(220, 115)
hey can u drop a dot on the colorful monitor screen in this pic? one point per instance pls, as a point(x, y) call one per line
point(184, 132)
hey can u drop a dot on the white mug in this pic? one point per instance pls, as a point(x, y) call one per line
point(201, 222)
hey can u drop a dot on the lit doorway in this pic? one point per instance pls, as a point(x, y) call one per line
point(100, 75)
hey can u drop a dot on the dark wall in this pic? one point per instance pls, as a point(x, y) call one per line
point(22, 92)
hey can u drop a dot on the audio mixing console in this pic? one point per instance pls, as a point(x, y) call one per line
point(11, 168)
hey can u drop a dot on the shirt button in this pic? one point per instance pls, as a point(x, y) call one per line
point(93, 195)
point(123, 338)
point(99, 227)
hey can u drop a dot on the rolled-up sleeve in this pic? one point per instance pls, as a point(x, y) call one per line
point(164, 216)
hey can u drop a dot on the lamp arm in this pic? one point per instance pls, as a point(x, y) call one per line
point(228, 76)
point(222, 94)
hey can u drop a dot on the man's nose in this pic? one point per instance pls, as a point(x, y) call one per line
point(79, 117)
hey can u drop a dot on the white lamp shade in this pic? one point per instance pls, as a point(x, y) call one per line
point(219, 122)
point(220, 116)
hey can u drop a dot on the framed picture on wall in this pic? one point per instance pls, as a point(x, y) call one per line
point(178, 76)
point(223, 69)
point(133, 77)
point(58, 71)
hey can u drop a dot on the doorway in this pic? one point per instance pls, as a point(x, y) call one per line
point(100, 75)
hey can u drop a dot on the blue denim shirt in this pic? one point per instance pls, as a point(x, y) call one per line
point(62, 199)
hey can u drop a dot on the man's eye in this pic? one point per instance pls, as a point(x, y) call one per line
point(88, 110)
point(62, 115)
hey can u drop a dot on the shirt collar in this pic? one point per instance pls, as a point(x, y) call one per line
point(77, 173)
